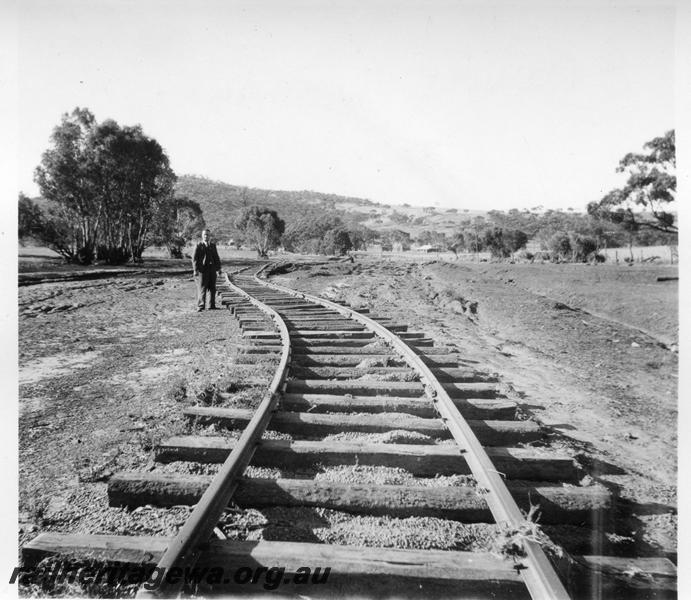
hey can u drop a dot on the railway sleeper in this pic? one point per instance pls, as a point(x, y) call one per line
point(339, 360)
point(471, 408)
point(337, 325)
point(302, 345)
point(272, 336)
point(403, 373)
point(445, 375)
point(258, 349)
point(373, 387)
point(313, 310)
point(357, 571)
point(420, 343)
point(325, 328)
point(354, 571)
point(350, 360)
point(557, 504)
point(321, 317)
point(488, 432)
point(339, 334)
point(258, 324)
point(420, 460)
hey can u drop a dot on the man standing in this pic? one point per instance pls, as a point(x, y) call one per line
point(205, 264)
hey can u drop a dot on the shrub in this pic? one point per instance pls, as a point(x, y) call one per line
point(559, 246)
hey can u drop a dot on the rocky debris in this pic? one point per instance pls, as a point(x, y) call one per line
point(336, 527)
point(360, 474)
point(35, 309)
point(396, 436)
point(562, 306)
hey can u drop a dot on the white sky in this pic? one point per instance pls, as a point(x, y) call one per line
point(456, 104)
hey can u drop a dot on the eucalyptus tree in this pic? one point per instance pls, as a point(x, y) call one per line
point(66, 178)
point(105, 183)
point(643, 202)
point(261, 227)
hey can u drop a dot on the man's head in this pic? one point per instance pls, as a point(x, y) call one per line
point(206, 236)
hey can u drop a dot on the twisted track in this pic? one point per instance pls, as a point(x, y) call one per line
point(323, 351)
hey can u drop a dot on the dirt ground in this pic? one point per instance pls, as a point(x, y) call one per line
point(590, 350)
point(105, 366)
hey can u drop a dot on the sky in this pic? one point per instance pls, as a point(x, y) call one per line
point(449, 104)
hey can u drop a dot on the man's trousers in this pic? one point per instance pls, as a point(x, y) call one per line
point(206, 282)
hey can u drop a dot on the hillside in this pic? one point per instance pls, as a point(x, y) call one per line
point(222, 201)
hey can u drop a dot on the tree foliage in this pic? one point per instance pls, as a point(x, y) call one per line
point(48, 227)
point(502, 243)
point(29, 218)
point(104, 184)
point(559, 245)
point(649, 190)
point(177, 223)
point(260, 227)
point(337, 241)
point(326, 234)
point(66, 178)
point(582, 247)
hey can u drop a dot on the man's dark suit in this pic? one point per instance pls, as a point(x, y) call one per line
point(205, 263)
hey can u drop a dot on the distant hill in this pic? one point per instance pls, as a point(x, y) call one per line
point(221, 202)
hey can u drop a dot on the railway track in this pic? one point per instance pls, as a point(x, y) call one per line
point(341, 379)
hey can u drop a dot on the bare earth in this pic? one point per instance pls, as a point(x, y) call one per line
point(603, 383)
point(104, 365)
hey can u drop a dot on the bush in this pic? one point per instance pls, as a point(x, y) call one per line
point(112, 255)
point(559, 246)
point(582, 246)
point(336, 241)
point(524, 255)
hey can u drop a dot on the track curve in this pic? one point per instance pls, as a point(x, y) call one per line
point(339, 370)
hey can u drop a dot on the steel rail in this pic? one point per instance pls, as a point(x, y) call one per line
point(539, 575)
point(185, 548)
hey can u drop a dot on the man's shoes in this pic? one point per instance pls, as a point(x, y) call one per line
point(213, 308)
point(200, 309)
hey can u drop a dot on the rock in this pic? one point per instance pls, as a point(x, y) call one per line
point(635, 345)
point(456, 307)
point(586, 481)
